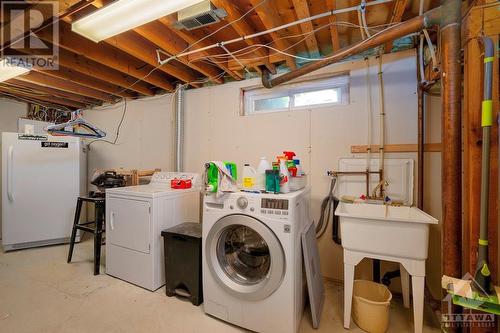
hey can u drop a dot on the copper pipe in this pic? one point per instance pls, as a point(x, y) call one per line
point(415, 24)
point(451, 139)
point(365, 173)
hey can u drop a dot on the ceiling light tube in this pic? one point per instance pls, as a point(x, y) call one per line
point(9, 71)
point(124, 15)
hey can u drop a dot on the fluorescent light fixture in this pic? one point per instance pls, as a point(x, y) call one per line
point(9, 71)
point(124, 15)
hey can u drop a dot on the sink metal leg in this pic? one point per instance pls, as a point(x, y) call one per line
point(418, 302)
point(348, 288)
point(405, 286)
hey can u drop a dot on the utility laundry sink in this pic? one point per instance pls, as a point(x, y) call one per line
point(385, 230)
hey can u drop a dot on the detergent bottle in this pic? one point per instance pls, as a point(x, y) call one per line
point(249, 177)
point(212, 177)
point(284, 175)
point(261, 173)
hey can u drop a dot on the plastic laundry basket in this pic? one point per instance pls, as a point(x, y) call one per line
point(371, 302)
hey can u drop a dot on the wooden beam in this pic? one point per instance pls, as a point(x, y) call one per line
point(99, 71)
point(54, 92)
point(88, 81)
point(302, 11)
point(46, 11)
point(95, 70)
point(49, 81)
point(243, 28)
point(168, 41)
point(138, 47)
point(269, 15)
point(397, 148)
point(44, 99)
point(108, 56)
point(396, 16)
point(192, 37)
point(334, 32)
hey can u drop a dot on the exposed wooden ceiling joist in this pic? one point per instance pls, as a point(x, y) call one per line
point(302, 11)
point(44, 99)
point(268, 14)
point(88, 81)
point(334, 32)
point(49, 81)
point(168, 41)
point(396, 16)
point(54, 92)
point(243, 28)
point(193, 37)
point(109, 56)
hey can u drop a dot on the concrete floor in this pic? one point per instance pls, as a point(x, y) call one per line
point(39, 292)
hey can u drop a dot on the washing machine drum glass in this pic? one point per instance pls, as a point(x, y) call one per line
point(243, 254)
point(245, 257)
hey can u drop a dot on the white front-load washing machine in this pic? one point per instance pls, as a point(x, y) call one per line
point(252, 259)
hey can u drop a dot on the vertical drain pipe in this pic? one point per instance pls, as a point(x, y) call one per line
point(451, 139)
point(179, 128)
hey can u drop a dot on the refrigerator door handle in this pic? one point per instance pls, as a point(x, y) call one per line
point(10, 171)
point(112, 221)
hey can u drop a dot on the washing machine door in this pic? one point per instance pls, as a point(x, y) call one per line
point(245, 257)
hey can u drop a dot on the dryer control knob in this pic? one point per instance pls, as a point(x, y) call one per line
point(242, 202)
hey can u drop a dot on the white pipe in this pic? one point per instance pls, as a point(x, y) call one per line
point(369, 109)
point(421, 47)
point(361, 28)
point(363, 17)
point(382, 120)
point(284, 26)
point(431, 49)
point(179, 128)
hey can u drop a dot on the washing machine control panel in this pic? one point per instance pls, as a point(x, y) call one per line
point(242, 202)
point(276, 208)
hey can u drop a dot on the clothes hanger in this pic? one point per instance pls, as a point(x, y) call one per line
point(76, 122)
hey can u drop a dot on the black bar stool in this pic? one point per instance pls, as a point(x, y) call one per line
point(100, 210)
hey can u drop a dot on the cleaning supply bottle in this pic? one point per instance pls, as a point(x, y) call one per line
point(261, 173)
point(284, 175)
point(300, 172)
point(249, 177)
point(212, 177)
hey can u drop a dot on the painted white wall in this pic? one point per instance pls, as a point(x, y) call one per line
point(215, 130)
point(145, 140)
point(10, 111)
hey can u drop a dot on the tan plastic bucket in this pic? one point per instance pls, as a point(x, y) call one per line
point(370, 306)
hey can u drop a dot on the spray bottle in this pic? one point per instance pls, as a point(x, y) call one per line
point(284, 175)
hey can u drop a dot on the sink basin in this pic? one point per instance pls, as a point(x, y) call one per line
point(385, 230)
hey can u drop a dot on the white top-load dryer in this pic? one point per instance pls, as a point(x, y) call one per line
point(135, 218)
point(252, 259)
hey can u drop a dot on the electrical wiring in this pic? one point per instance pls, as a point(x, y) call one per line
point(118, 128)
point(252, 48)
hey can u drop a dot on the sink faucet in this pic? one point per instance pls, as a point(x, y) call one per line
point(381, 184)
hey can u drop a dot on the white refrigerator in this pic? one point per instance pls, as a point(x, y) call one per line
point(42, 176)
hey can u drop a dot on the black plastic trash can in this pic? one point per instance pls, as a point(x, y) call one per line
point(183, 262)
